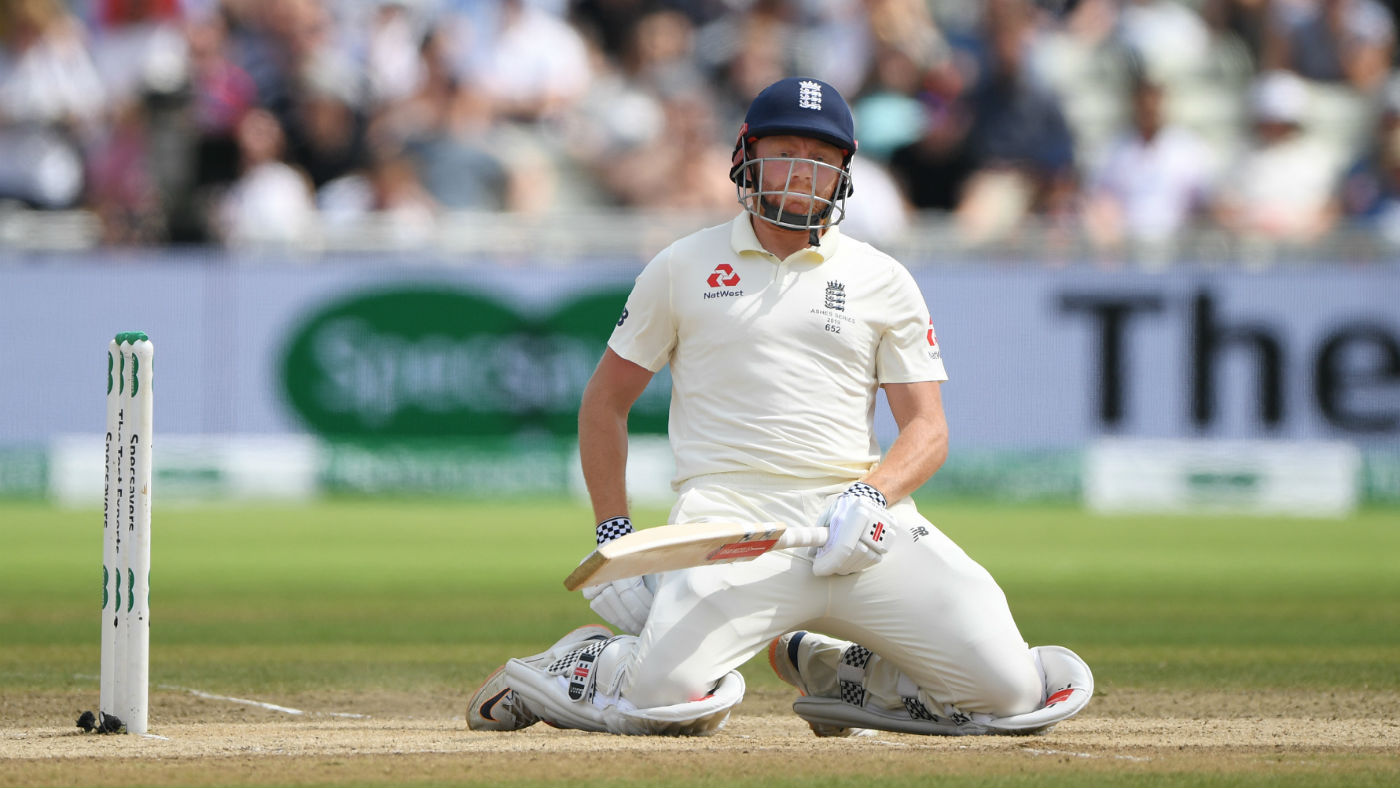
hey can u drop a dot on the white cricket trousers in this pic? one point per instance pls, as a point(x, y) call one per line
point(927, 610)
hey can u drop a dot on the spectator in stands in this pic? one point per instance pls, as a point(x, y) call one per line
point(882, 214)
point(745, 52)
point(647, 132)
point(392, 60)
point(660, 51)
point(1249, 22)
point(611, 24)
point(1343, 49)
point(141, 164)
point(1154, 181)
point(139, 47)
point(934, 169)
point(1283, 188)
point(47, 75)
point(52, 101)
point(535, 67)
point(273, 40)
point(271, 203)
point(1169, 36)
point(905, 44)
point(1019, 137)
point(223, 91)
point(447, 130)
point(837, 43)
point(222, 94)
point(504, 107)
point(317, 91)
point(621, 111)
point(326, 124)
point(387, 189)
point(680, 167)
point(698, 156)
point(1371, 190)
point(1339, 41)
point(121, 185)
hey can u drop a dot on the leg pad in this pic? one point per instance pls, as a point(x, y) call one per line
point(566, 696)
point(1069, 684)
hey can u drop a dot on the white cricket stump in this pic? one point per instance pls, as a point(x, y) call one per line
point(126, 547)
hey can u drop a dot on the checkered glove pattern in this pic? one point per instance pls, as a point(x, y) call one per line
point(861, 532)
point(623, 603)
point(865, 491)
point(609, 530)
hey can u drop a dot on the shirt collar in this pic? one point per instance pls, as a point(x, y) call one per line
point(743, 239)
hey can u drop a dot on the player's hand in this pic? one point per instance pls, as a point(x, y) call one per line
point(623, 603)
point(861, 532)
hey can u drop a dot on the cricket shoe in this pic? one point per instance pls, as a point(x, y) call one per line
point(496, 707)
point(783, 653)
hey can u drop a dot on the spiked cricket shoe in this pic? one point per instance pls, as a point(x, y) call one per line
point(497, 707)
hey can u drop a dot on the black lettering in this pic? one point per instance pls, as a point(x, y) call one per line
point(1210, 338)
point(1112, 314)
point(1335, 381)
point(131, 489)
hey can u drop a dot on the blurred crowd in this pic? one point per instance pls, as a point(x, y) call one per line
point(249, 122)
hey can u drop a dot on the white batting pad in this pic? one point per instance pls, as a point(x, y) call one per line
point(1069, 685)
point(561, 699)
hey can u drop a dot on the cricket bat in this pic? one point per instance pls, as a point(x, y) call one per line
point(669, 547)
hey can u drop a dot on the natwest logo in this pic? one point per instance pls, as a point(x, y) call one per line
point(723, 276)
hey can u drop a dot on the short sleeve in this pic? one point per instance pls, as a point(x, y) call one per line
point(908, 351)
point(646, 329)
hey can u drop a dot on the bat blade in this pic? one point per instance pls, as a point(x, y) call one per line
point(670, 547)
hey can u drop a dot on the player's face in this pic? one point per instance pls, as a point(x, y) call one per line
point(798, 176)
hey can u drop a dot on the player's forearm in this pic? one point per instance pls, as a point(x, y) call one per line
point(915, 456)
point(602, 444)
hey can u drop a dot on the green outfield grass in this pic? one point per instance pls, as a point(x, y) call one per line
point(402, 595)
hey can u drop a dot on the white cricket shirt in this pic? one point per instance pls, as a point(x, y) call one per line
point(775, 363)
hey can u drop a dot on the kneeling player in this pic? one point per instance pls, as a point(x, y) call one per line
point(779, 331)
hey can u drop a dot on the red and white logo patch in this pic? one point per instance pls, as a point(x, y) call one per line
point(1059, 697)
point(737, 551)
point(877, 532)
point(583, 668)
point(932, 337)
point(723, 276)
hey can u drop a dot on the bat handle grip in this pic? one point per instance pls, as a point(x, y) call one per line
point(802, 536)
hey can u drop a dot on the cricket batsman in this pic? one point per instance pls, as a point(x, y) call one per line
point(779, 332)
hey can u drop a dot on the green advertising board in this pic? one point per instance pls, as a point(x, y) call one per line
point(419, 361)
point(24, 472)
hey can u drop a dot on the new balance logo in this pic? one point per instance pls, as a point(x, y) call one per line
point(809, 95)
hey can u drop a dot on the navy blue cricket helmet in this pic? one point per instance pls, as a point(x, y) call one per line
point(803, 107)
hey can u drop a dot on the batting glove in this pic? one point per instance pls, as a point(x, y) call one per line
point(623, 603)
point(861, 532)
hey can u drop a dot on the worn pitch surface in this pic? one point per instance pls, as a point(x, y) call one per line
point(1126, 737)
